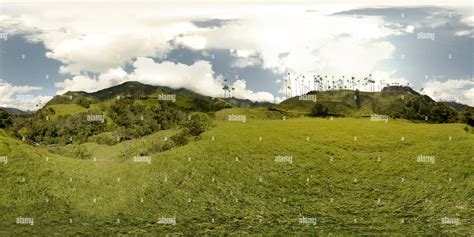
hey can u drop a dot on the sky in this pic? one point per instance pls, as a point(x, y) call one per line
point(51, 48)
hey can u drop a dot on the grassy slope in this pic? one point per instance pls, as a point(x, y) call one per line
point(66, 109)
point(238, 200)
point(342, 102)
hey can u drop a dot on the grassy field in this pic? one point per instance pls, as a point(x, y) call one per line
point(354, 176)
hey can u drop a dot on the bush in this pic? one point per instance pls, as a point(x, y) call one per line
point(82, 153)
point(84, 102)
point(168, 145)
point(106, 138)
point(198, 123)
point(181, 138)
point(357, 99)
point(319, 110)
point(5, 119)
point(467, 116)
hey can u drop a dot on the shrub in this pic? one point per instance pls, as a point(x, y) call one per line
point(106, 138)
point(198, 123)
point(319, 110)
point(84, 102)
point(181, 138)
point(82, 153)
point(467, 116)
point(357, 99)
point(5, 119)
point(168, 145)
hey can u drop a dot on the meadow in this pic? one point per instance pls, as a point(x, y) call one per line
point(321, 176)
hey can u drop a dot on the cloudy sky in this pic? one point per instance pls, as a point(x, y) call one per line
point(50, 48)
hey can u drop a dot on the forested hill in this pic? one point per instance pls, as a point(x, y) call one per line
point(393, 101)
point(184, 98)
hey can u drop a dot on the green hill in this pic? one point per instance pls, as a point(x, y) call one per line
point(394, 101)
point(354, 176)
point(184, 98)
point(258, 168)
point(14, 111)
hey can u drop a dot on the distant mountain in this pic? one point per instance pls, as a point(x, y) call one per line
point(455, 105)
point(13, 111)
point(132, 89)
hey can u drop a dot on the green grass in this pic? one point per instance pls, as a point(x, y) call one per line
point(341, 102)
point(208, 191)
point(66, 109)
point(257, 113)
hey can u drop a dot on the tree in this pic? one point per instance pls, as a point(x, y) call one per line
point(198, 123)
point(5, 119)
point(84, 102)
point(357, 98)
point(319, 110)
point(467, 116)
point(25, 132)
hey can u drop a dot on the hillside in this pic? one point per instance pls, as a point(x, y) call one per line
point(14, 111)
point(394, 101)
point(230, 181)
point(184, 98)
point(150, 162)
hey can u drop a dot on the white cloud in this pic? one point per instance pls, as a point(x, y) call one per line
point(468, 21)
point(283, 37)
point(410, 29)
point(198, 77)
point(20, 97)
point(242, 92)
point(84, 83)
point(465, 33)
point(95, 40)
point(192, 41)
point(461, 91)
point(293, 39)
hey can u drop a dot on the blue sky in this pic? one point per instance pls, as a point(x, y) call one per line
point(51, 48)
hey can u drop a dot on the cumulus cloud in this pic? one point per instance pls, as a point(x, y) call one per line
point(468, 21)
point(292, 39)
point(461, 91)
point(85, 83)
point(105, 38)
point(279, 37)
point(198, 77)
point(20, 97)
